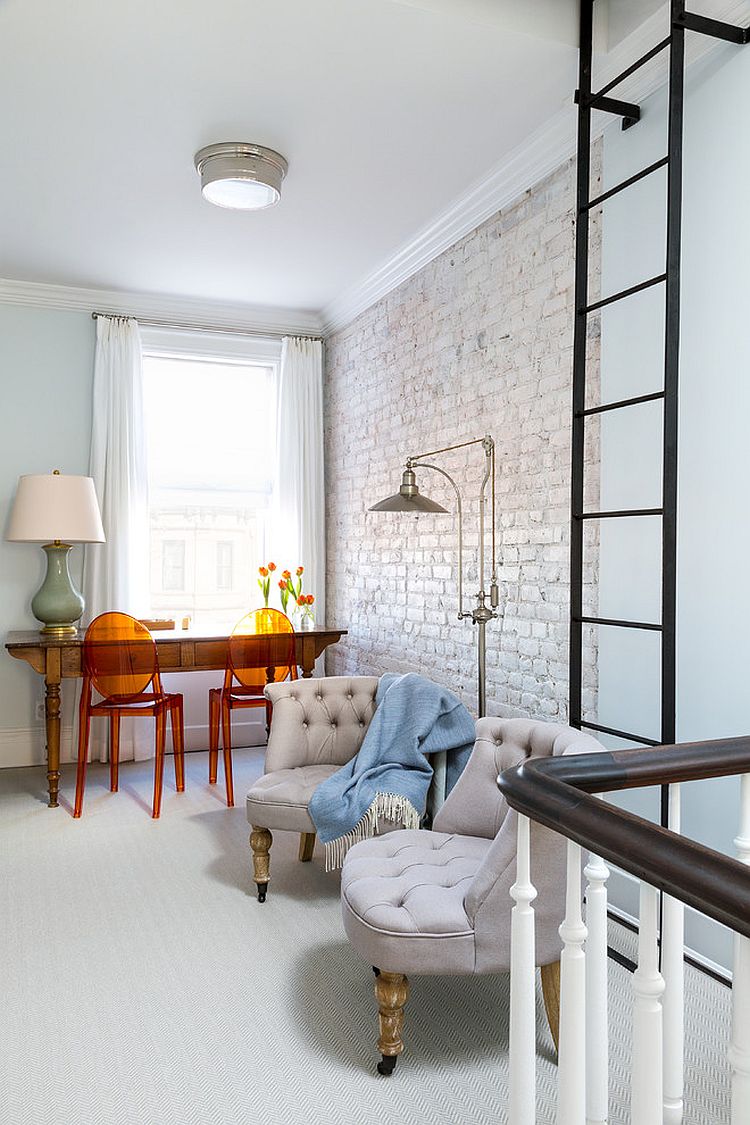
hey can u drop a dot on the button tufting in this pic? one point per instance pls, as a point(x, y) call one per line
point(305, 725)
point(319, 697)
point(361, 723)
point(333, 724)
point(350, 696)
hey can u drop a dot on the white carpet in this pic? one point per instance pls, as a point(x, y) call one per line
point(145, 985)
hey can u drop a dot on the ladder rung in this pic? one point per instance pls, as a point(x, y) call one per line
point(619, 733)
point(625, 293)
point(619, 514)
point(716, 28)
point(621, 403)
point(626, 183)
point(633, 67)
point(619, 624)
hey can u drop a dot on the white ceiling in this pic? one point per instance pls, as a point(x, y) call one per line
point(387, 110)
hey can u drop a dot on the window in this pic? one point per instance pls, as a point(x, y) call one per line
point(224, 565)
point(211, 450)
point(173, 565)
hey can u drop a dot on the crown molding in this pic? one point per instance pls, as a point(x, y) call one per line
point(537, 157)
point(190, 311)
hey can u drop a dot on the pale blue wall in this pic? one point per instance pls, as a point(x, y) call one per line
point(46, 374)
point(714, 464)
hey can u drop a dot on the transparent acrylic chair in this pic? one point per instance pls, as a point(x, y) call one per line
point(120, 664)
point(261, 651)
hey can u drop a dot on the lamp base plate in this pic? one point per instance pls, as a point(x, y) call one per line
point(59, 630)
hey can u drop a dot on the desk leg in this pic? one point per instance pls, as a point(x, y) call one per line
point(52, 712)
point(307, 657)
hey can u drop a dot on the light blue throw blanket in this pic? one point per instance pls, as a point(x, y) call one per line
point(390, 776)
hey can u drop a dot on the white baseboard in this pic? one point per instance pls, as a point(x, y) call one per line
point(25, 746)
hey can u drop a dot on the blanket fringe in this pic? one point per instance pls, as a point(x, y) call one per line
point(386, 806)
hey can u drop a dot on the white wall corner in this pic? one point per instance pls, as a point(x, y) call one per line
point(534, 159)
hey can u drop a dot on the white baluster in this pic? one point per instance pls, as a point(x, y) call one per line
point(597, 1024)
point(648, 985)
point(673, 1001)
point(522, 1078)
point(739, 1050)
point(571, 1076)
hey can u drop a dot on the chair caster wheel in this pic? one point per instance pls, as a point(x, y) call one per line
point(262, 888)
point(387, 1064)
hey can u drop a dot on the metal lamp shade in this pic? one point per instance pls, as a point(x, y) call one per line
point(408, 498)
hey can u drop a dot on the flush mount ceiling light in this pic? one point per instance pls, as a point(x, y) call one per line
point(241, 176)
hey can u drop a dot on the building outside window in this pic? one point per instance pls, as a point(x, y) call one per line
point(173, 565)
point(211, 451)
point(224, 574)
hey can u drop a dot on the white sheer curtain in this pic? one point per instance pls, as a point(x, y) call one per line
point(299, 532)
point(116, 573)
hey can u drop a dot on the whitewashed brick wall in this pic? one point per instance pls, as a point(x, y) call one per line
point(480, 341)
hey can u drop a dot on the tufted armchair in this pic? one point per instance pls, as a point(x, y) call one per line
point(439, 902)
point(317, 726)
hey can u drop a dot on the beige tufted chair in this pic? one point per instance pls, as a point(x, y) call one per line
point(439, 902)
point(317, 726)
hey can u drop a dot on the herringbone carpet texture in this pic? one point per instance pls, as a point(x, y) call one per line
point(143, 984)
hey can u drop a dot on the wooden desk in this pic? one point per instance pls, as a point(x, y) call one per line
point(59, 659)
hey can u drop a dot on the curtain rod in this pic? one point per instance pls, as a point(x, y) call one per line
point(152, 323)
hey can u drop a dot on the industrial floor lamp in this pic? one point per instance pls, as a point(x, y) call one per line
point(409, 499)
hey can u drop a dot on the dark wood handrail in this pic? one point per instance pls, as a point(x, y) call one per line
point(556, 792)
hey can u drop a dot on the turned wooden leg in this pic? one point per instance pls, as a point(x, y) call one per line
point(260, 841)
point(52, 717)
point(306, 846)
point(551, 993)
point(391, 993)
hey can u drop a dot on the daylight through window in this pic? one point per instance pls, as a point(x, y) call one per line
point(211, 450)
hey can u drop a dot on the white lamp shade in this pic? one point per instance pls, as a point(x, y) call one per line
point(51, 506)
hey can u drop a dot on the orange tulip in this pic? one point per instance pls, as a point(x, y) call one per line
point(282, 584)
point(300, 570)
point(310, 599)
point(272, 567)
point(301, 600)
point(286, 574)
point(262, 571)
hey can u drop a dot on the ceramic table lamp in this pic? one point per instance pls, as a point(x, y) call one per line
point(56, 511)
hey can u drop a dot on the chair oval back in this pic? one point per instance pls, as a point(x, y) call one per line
point(119, 655)
point(262, 648)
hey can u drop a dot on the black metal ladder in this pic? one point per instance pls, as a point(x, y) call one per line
point(588, 101)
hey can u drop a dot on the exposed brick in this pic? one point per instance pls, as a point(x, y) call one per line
point(479, 341)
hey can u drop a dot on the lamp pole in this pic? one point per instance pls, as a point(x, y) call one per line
point(409, 499)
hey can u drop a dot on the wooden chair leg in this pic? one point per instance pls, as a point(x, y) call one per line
point(391, 993)
point(226, 737)
point(161, 736)
point(260, 841)
point(551, 994)
point(114, 752)
point(84, 723)
point(213, 735)
point(306, 846)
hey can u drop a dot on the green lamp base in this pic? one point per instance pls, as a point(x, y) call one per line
point(57, 603)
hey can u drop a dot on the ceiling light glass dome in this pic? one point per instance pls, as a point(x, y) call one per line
point(243, 177)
